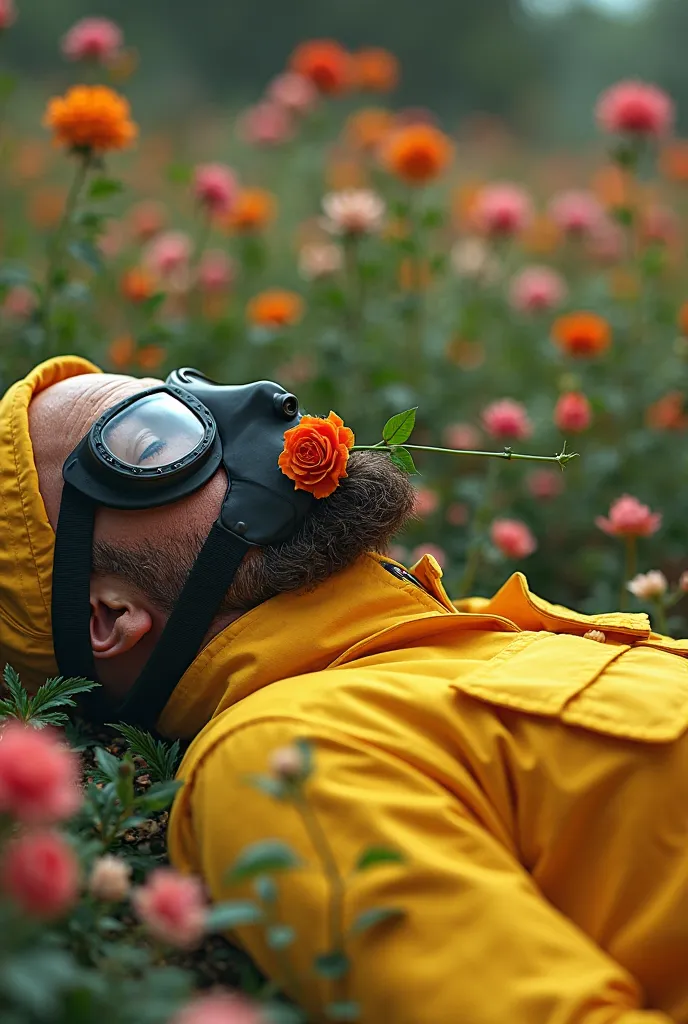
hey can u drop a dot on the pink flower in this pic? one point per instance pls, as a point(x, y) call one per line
point(503, 209)
point(216, 271)
point(111, 242)
point(96, 39)
point(426, 502)
point(168, 254)
point(220, 1008)
point(629, 518)
point(109, 879)
point(294, 92)
point(146, 219)
point(438, 553)
point(319, 259)
point(457, 514)
point(172, 907)
point(507, 420)
point(572, 413)
point(38, 775)
point(40, 872)
point(576, 212)
point(266, 124)
point(648, 584)
point(215, 187)
point(636, 108)
point(545, 484)
point(683, 582)
point(536, 290)
point(8, 14)
point(512, 538)
point(19, 303)
point(606, 241)
point(463, 436)
point(353, 211)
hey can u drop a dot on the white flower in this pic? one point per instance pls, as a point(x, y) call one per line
point(649, 584)
point(471, 258)
point(109, 879)
point(319, 259)
point(353, 211)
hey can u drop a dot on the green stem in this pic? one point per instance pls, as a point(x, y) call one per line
point(58, 245)
point(507, 454)
point(660, 616)
point(630, 569)
point(480, 520)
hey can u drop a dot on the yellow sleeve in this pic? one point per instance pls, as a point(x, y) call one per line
point(478, 942)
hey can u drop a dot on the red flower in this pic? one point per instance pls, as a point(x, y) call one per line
point(628, 517)
point(635, 108)
point(507, 420)
point(512, 538)
point(572, 412)
point(325, 63)
point(40, 872)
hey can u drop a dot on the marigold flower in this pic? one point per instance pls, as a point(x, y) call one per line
point(275, 308)
point(537, 289)
point(137, 284)
point(502, 209)
point(40, 872)
point(582, 334)
point(294, 92)
point(91, 118)
point(266, 124)
point(216, 271)
point(628, 517)
point(635, 108)
point(325, 63)
point(254, 209)
point(513, 538)
point(319, 259)
point(8, 14)
point(97, 39)
point(545, 484)
point(316, 453)
point(426, 502)
point(576, 212)
point(366, 129)
point(172, 906)
point(648, 584)
point(220, 1008)
point(38, 775)
point(572, 413)
point(375, 69)
point(215, 187)
point(507, 420)
point(353, 211)
point(417, 153)
point(109, 879)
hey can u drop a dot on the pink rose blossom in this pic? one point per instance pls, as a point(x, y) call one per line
point(293, 92)
point(576, 212)
point(220, 1008)
point(438, 553)
point(96, 39)
point(457, 514)
point(503, 209)
point(38, 775)
point(109, 879)
point(648, 584)
point(507, 420)
point(172, 907)
point(353, 211)
point(537, 290)
point(635, 108)
point(20, 302)
point(463, 436)
point(40, 872)
point(216, 271)
point(512, 538)
point(545, 484)
point(628, 517)
point(572, 413)
point(168, 255)
point(319, 259)
point(426, 502)
point(8, 14)
point(215, 187)
point(266, 124)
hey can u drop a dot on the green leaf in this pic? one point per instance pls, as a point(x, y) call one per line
point(376, 915)
point(103, 188)
point(158, 797)
point(376, 855)
point(108, 764)
point(58, 692)
point(269, 785)
point(87, 253)
point(433, 217)
point(280, 936)
point(261, 858)
point(232, 914)
point(403, 460)
point(17, 692)
point(161, 758)
point(345, 1009)
point(151, 306)
point(266, 889)
point(399, 428)
point(331, 965)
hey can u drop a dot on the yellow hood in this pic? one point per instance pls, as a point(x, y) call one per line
point(27, 539)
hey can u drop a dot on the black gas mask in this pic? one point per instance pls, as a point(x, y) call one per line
point(153, 449)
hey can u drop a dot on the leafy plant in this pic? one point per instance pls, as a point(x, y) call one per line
point(40, 709)
point(162, 759)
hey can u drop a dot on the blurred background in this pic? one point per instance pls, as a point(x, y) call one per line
point(538, 64)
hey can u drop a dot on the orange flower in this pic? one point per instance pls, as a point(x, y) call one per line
point(582, 334)
point(673, 161)
point(137, 284)
point(375, 69)
point(150, 357)
point(366, 129)
point(667, 413)
point(325, 63)
point(90, 117)
point(121, 351)
point(254, 209)
point(417, 153)
point(315, 454)
point(682, 319)
point(275, 308)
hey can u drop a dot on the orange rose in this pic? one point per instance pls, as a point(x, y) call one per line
point(315, 454)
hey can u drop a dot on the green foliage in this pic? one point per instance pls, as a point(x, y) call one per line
point(399, 428)
point(375, 856)
point(262, 858)
point(162, 759)
point(40, 710)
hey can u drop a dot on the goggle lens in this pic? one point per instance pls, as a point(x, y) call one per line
point(153, 432)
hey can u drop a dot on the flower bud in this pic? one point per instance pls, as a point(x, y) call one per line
point(287, 763)
point(649, 584)
point(109, 879)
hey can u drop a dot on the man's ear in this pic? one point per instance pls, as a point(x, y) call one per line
point(119, 618)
